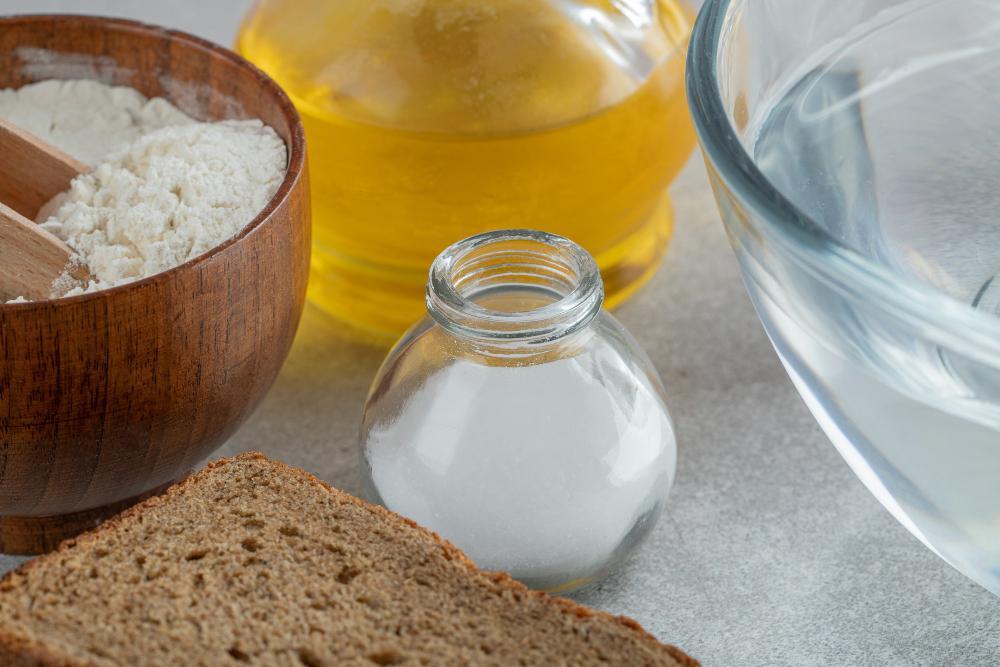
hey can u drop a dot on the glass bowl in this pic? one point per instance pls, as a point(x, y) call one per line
point(519, 419)
point(848, 152)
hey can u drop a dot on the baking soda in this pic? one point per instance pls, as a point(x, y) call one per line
point(535, 470)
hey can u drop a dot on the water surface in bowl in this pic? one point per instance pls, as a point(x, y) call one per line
point(890, 139)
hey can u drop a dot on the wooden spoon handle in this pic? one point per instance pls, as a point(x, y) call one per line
point(31, 259)
point(32, 171)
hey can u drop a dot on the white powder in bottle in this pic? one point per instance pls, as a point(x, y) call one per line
point(169, 189)
point(500, 462)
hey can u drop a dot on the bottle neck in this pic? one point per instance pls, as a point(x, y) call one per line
point(514, 289)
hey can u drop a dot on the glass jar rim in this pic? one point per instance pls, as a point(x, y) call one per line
point(458, 311)
point(952, 322)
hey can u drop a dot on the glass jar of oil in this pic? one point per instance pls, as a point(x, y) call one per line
point(431, 120)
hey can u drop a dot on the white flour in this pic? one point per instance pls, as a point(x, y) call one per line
point(170, 189)
point(87, 119)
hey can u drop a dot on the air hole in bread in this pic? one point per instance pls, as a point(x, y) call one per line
point(237, 654)
point(347, 574)
point(251, 544)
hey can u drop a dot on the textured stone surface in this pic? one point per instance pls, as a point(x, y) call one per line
point(771, 552)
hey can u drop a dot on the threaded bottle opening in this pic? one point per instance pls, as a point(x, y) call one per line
point(518, 285)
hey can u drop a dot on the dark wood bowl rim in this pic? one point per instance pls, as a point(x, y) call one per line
point(296, 150)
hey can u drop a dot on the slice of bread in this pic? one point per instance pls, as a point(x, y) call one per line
point(254, 562)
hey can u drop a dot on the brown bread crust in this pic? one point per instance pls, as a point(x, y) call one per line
point(18, 651)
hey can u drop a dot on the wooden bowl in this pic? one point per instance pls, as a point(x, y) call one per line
point(105, 398)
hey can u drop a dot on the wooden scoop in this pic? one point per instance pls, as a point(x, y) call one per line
point(31, 173)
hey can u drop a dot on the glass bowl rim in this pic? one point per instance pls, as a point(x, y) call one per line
point(955, 323)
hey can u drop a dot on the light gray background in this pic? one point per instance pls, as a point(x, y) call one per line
point(770, 553)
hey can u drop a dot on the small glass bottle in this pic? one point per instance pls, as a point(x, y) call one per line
point(519, 419)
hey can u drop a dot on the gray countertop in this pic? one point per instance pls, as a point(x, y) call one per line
point(771, 552)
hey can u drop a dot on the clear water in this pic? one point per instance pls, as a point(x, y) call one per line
point(892, 141)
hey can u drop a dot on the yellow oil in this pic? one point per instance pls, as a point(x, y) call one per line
point(428, 121)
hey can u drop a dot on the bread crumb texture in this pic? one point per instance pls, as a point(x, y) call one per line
point(252, 562)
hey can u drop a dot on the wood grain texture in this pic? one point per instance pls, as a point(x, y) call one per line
point(108, 395)
point(31, 259)
point(34, 171)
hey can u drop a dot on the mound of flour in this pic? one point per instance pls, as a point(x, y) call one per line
point(87, 119)
point(172, 189)
point(167, 198)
